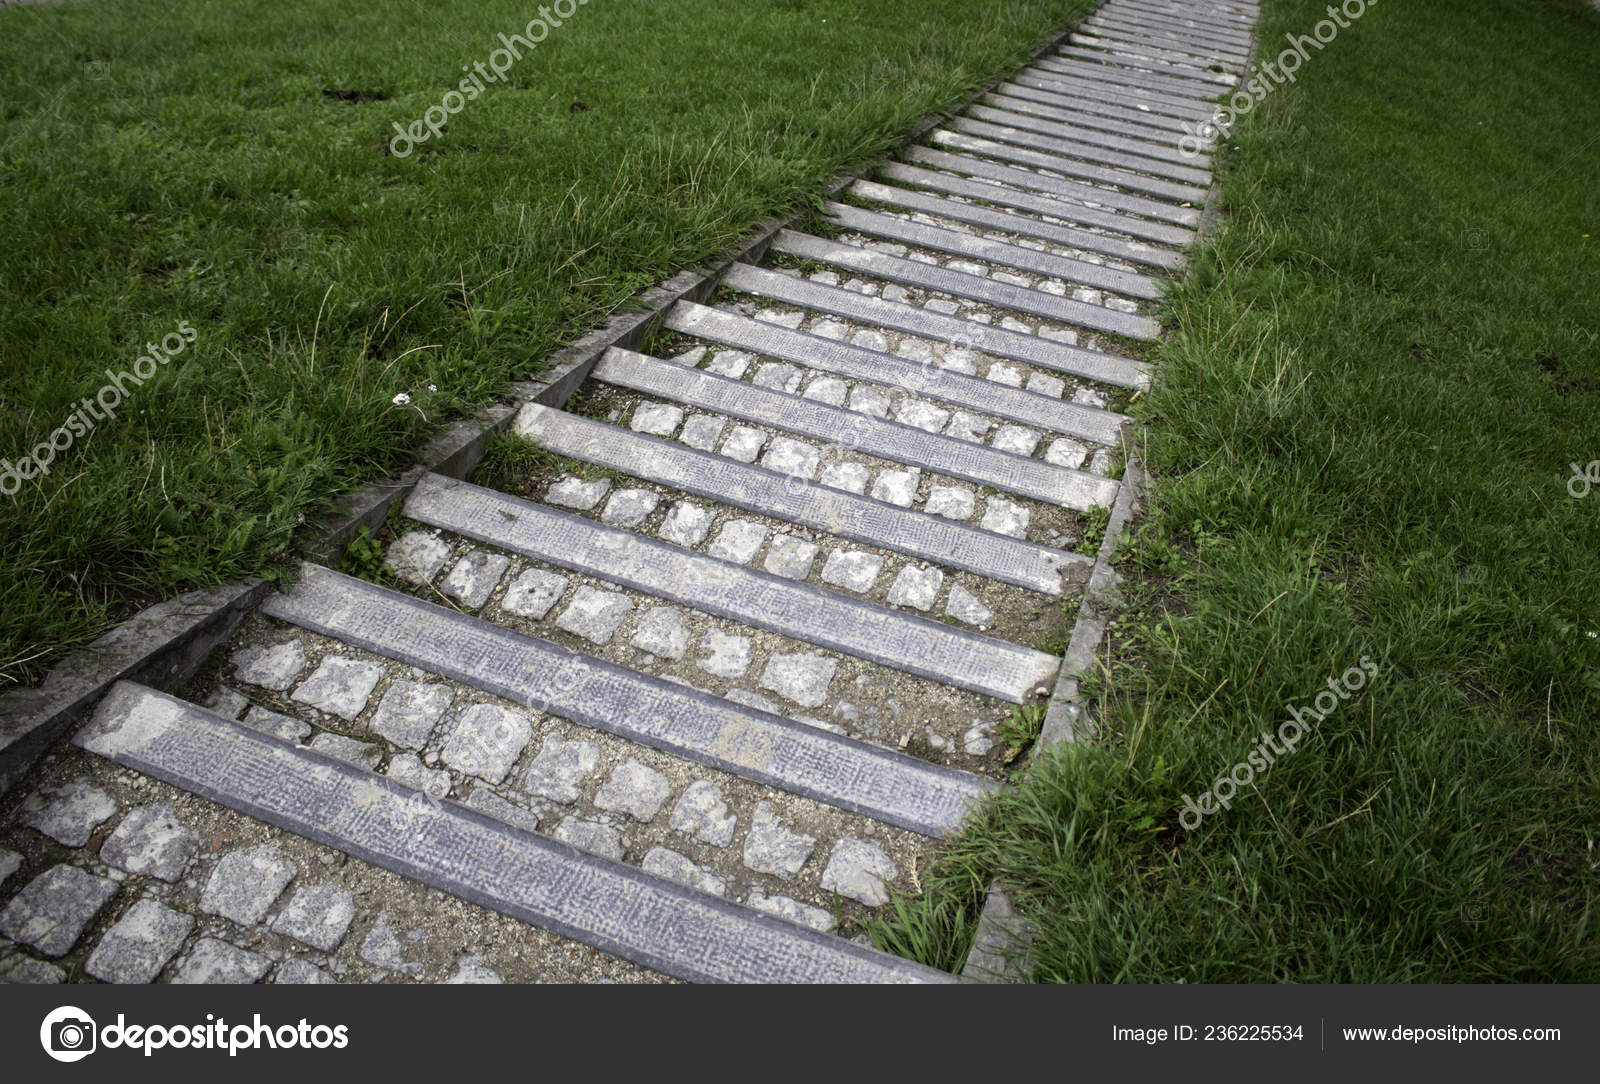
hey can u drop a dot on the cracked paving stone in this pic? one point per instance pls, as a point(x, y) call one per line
point(472, 971)
point(860, 870)
point(916, 587)
point(381, 948)
point(1005, 517)
point(792, 910)
point(410, 710)
point(533, 593)
point(778, 376)
point(1066, 453)
point(793, 457)
point(738, 541)
point(672, 866)
point(769, 847)
point(559, 770)
point(317, 915)
point(898, 487)
point(634, 789)
point(279, 725)
point(802, 677)
point(590, 836)
point(656, 419)
point(729, 654)
point(702, 813)
point(574, 492)
point(273, 667)
point(69, 814)
point(661, 631)
point(686, 524)
point(50, 913)
point(339, 686)
point(1015, 439)
point(151, 842)
point(630, 507)
point(827, 389)
point(702, 430)
point(140, 944)
point(850, 477)
point(922, 415)
point(302, 973)
point(474, 578)
point(952, 502)
point(595, 614)
point(246, 882)
point(486, 741)
point(744, 444)
point(358, 754)
point(963, 605)
point(790, 557)
point(216, 963)
point(417, 557)
point(854, 570)
point(408, 770)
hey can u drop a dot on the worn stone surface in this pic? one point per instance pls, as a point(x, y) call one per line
point(559, 771)
point(1017, 439)
point(777, 375)
point(246, 883)
point(1066, 453)
point(532, 593)
point(298, 972)
point(317, 915)
point(790, 557)
point(738, 541)
point(474, 578)
point(916, 587)
point(792, 910)
point(486, 741)
point(340, 686)
point(963, 605)
point(860, 870)
point(140, 944)
point(151, 841)
point(382, 948)
point(672, 866)
point(51, 911)
point(272, 667)
point(416, 558)
point(952, 502)
point(865, 399)
point(213, 962)
point(703, 431)
point(226, 702)
point(590, 836)
point(10, 862)
point(1005, 517)
point(769, 847)
point(361, 754)
point(921, 414)
point(898, 487)
point(848, 476)
point(634, 789)
point(595, 614)
point(472, 971)
point(630, 507)
point(69, 814)
point(827, 389)
point(726, 655)
point(19, 970)
point(661, 631)
point(744, 443)
point(657, 419)
point(410, 710)
point(574, 492)
point(729, 363)
point(803, 677)
point(686, 524)
point(793, 457)
point(703, 813)
point(965, 425)
point(854, 570)
point(277, 724)
point(408, 769)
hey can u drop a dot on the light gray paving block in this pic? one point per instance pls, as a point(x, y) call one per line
point(10, 862)
point(382, 948)
point(591, 837)
point(634, 789)
point(683, 933)
point(486, 740)
point(472, 971)
point(703, 431)
point(407, 768)
point(410, 710)
point(897, 487)
point(964, 425)
point(340, 686)
point(702, 812)
point(994, 124)
point(246, 882)
point(595, 614)
point(70, 813)
point(533, 593)
point(930, 381)
point(921, 415)
point(362, 754)
point(801, 676)
point(474, 578)
point(1165, 195)
point(859, 869)
point(19, 970)
point(738, 541)
point(726, 655)
point(923, 276)
point(854, 570)
point(1016, 439)
point(893, 788)
point(1066, 453)
point(916, 587)
point(279, 725)
point(52, 910)
point(561, 768)
point(657, 419)
point(672, 866)
point(827, 389)
point(870, 401)
point(744, 444)
point(791, 910)
point(729, 363)
point(630, 507)
point(317, 915)
point(661, 631)
point(151, 841)
point(686, 524)
point(963, 605)
point(790, 557)
point(140, 944)
point(1006, 517)
point(952, 502)
point(416, 558)
point(574, 492)
point(272, 667)
point(770, 847)
point(299, 972)
point(226, 702)
point(949, 329)
point(213, 962)
point(848, 476)
point(777, 375)
point(794, 458)
point(490, 804)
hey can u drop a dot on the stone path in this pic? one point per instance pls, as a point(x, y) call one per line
point(710, 681)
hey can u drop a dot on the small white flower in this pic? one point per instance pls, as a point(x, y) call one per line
point(433, 387)
point(402, 399)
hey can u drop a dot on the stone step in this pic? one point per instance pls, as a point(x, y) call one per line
point(748, 742)
point(878, 437)
point(865, 261)
point(1044, 136)
point(1220, 82)
point(1153, 140)
point(676, 930)
point(866, 630)
point(1107, 70)
point(792, 290)
point(1190, 58)
point(1064, 124)
point(859, 363)
point(1021, 225)
point(843, 514)
point(1140, 36)
point(1239, 17)
point(1136, 98)
point(991, 250)
point(1141, 122)
point(1194, 32)
point(1164, 207)
point(967, 177)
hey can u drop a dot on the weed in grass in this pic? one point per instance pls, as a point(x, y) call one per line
point(1021, 730)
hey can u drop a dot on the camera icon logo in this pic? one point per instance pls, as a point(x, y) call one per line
point(68, 1034)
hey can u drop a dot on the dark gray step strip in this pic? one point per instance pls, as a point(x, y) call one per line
point(1122, 32)
point(1018, 188)
point(778, 752)
point(1107, 70)
point(1064, 125)
point(1089, 40)
point(1237, 15)
point(903, 641)
point(859, 363)
point(1195, 32)
point(1043, 136)
point(923, 276)
point(842, 514)
point(907, 444)
point(1020, 224)
point(992, 251)
point(1148, 140)
point(1218, 82)
point(969, 143)
point(1150, 125)
point(1128, 97)
point(675, 930)
point(1106, 368)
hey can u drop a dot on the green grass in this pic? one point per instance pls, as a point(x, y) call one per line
point(1361, 434)
point(226, 165)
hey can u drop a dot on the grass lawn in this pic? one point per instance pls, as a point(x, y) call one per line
point(1362, 431)
point(220, 172)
